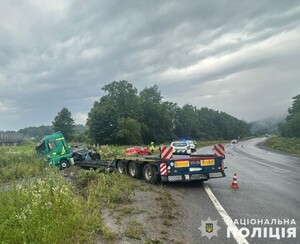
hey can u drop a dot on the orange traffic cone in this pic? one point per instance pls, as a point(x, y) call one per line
point(234, 183)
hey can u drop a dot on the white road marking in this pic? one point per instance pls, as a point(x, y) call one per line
point(268, 165)
point(261, 163)
point(228, 221)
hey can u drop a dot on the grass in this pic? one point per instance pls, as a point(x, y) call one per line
point(112, 188)
point(134, 230)
point(112, 151)
point(38, 205)
point(288, 145)
point(153, 241)
point(19, 162)
point(48, 211)
point(168, 206)
point(128, 210)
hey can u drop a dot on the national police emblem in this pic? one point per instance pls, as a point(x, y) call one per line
point(209, 228)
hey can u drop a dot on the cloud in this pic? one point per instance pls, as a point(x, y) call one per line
point(80, 118)
point(220, 55)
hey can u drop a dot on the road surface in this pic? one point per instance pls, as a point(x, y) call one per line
point(269, 189)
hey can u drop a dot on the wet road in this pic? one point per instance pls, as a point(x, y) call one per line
point(269, 189)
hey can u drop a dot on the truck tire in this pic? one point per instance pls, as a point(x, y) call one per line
point(150, 174)
point(121, 167)
point(63, 164)
point(134, 170)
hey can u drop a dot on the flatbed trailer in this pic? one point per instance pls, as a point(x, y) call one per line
point(96, 164)
point(178, 168)
point(153, 169)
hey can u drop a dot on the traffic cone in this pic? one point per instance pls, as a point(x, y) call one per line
point(234, 183)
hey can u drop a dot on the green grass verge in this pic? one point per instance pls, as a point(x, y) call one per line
point(111, 188)
point(38, 204)
point(289, 145)
point(19, 162)
point(48, 211)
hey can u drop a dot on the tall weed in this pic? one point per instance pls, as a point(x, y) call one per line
point(18, 164)
point(48, 211)
point(111, 188)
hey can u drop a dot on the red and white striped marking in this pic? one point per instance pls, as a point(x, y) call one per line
point(163, 169)
point(166, 152)
point(219, 150)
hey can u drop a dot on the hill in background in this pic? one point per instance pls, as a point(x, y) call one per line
point(268, 125)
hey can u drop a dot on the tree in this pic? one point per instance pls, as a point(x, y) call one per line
point(122, 95)
point(64, 122)
point(101, 122)
point(121, 101)
point(291, 128)
point(156, 116)
point(128, 131)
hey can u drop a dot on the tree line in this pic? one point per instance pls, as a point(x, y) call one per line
point(71, 131)
point(124, 116)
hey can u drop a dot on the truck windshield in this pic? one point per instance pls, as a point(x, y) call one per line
point(41, 147)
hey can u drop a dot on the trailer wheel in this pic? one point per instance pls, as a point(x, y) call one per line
point(63, 164)
point(134, 170)
point(150, 174)
point(121, 167)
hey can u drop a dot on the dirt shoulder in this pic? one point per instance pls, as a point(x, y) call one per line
point(155, 214)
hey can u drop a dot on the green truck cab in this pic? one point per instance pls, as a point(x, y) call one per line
point(56, 150)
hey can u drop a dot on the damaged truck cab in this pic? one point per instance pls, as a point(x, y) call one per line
point(56, 150)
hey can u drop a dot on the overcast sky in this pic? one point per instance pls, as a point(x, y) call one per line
point(240, 57)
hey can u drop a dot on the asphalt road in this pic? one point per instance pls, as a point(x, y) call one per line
point(269, 189)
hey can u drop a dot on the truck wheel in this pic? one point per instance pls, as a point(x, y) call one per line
point(150, 174)
point(134, 170)
point(63, 164)
point(121, 167)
